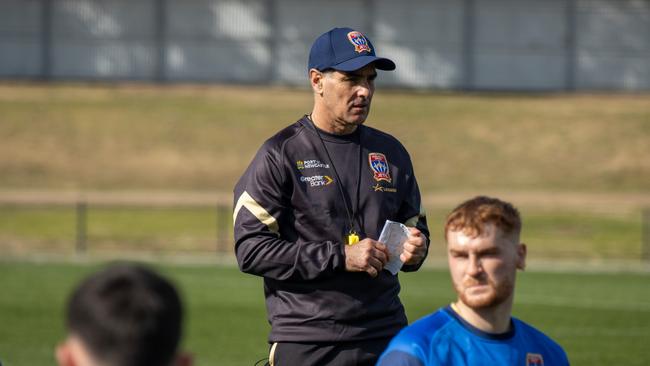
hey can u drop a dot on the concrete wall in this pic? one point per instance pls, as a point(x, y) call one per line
point(437, 44)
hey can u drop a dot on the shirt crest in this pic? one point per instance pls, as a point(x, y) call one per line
point(534, 359)
point(379, 166)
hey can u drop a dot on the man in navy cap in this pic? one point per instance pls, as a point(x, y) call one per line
point(309, 210)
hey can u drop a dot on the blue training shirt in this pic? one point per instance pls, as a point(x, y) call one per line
point(444, 338)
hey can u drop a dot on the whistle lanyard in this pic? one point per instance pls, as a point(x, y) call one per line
point(350, 210)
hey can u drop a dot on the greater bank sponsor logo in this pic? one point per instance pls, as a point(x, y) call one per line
point(311, 164)
point(317, 180)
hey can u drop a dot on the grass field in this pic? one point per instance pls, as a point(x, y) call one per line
point(120, 137)
point(553, 234)
point(577, 165)
point(85, 137)
point(599, 319)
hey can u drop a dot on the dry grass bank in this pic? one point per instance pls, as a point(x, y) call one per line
point(116, 137)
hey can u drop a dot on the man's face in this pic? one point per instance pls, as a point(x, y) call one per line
point(483, 268)
point(347, 95)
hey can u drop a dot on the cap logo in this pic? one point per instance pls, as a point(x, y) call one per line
point(359, 42)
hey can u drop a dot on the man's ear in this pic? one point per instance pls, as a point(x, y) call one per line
point(184, 359)
point(63, 354)
point(521, 256)
point(316, 80)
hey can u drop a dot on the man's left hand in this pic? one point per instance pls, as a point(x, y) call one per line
point(415, 247)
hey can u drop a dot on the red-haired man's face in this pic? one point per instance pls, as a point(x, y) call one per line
point(483, 268)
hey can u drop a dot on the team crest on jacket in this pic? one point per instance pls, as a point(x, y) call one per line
point(379, 165)
point(534, 359)
point(359, 41)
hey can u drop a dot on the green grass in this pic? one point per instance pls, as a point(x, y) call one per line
point(567, 234)
point(147, 229)
point(584, 235)
point(600, 319)
point(52, 224)
point(558, 234)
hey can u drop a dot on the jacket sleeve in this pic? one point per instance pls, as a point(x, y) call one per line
point(264, 243)
point(412, 214)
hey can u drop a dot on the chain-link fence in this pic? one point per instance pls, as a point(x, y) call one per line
point(441, 44)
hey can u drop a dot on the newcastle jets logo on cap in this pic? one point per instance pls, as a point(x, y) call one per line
point(359, 41)
point(379, 166)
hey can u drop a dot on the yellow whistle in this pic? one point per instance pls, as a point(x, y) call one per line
point(353, 239)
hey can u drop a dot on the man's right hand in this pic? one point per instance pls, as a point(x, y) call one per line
point(368, 256)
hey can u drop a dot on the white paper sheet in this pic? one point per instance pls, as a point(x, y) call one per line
point(393, 235)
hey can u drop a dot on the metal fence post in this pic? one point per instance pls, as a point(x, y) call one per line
point(81, 227)
point(370, 16)
point(469, 44)
point(217, 228)
point(222, 228)
point(160, 24)
point(46, 39)
point(645, 235)
point(570, 45)
point(273, 41)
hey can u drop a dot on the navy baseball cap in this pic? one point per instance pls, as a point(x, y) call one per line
point(345, 49)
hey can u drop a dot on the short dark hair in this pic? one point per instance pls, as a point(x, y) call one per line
point(471, 215)
point(127, 315)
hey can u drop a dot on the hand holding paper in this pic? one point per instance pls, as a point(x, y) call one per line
point(415, 247)
point(393, 235)
point(367, 255)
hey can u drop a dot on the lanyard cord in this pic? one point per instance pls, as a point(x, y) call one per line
point(349, 209)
